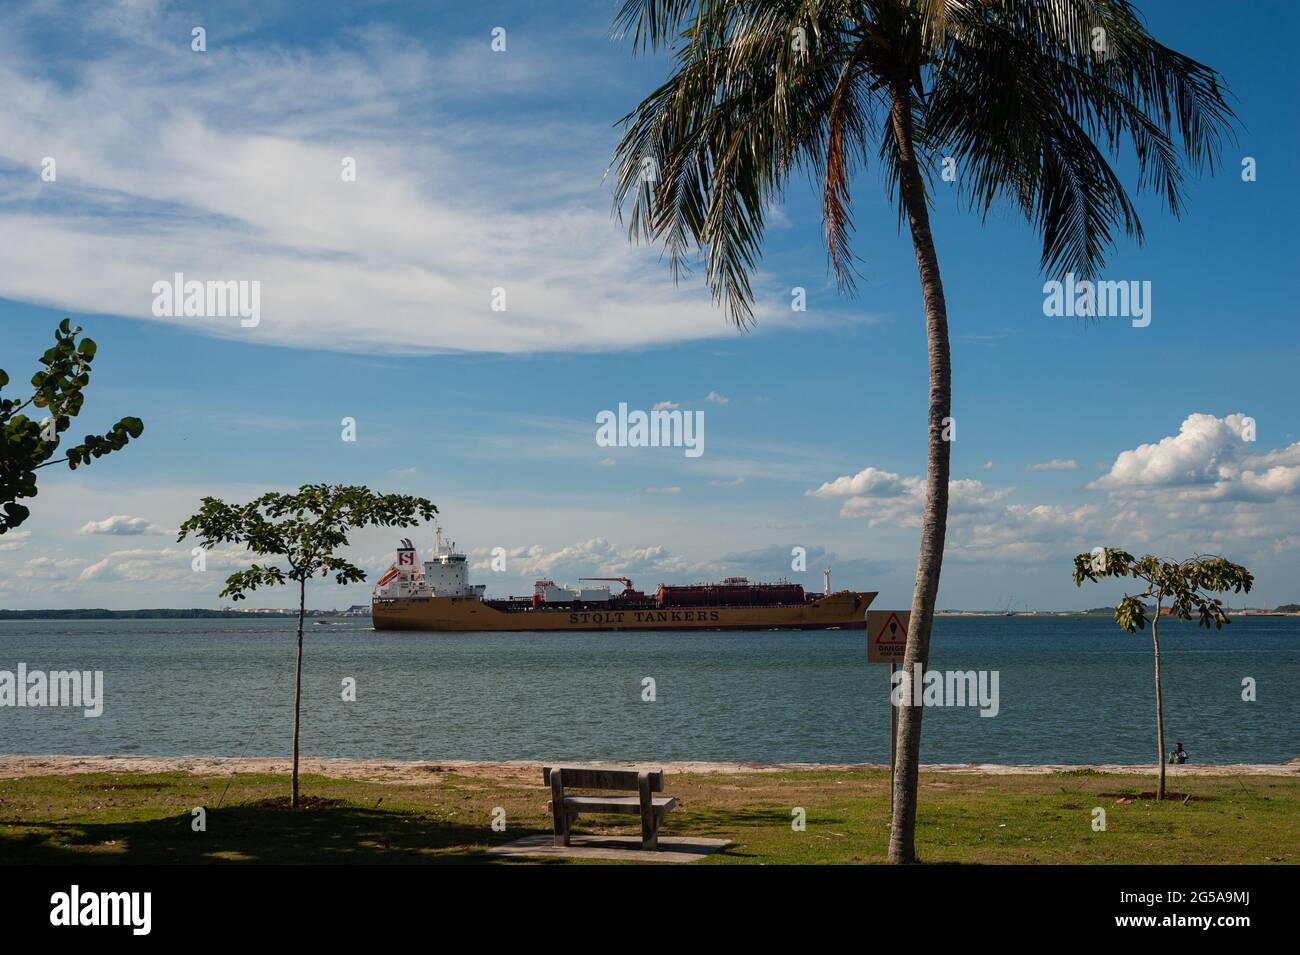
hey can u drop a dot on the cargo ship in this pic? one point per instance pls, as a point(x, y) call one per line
point(436, 594)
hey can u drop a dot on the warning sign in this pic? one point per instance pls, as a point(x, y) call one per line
point(887, 635)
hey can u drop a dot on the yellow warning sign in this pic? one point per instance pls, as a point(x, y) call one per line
point(887, 635)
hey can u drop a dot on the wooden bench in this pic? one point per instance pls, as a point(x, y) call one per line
point(565, 809)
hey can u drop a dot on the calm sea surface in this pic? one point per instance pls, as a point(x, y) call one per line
point(1072, 690)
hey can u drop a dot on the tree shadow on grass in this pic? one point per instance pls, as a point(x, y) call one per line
point(326, 831)
point(253, 833)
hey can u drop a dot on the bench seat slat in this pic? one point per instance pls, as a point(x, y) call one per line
point(622, 804)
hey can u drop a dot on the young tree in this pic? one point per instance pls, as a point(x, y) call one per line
point(27, 445)
point(1021, 101)
point(1187, 586)
point(305, 529)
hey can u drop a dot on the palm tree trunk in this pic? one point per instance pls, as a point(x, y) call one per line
point(1160, 711)
point(934, 518)
point(297, 685)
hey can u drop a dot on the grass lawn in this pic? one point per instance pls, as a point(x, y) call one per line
point(137, 817)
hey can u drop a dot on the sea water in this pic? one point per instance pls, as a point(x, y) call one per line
point(1072, 690)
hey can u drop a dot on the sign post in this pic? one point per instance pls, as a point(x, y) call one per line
point(893, 738)
point(886, 642)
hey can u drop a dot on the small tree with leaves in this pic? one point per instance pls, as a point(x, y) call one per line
point(305, 529)
point(1187, 587)
point(28, 444)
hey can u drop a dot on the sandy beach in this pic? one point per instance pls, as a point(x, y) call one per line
point(406, 771)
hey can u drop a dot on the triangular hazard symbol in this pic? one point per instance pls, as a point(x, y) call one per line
point(894, 631)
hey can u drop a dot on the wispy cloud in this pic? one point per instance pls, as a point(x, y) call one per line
point(1056, 464)
point(227, 165)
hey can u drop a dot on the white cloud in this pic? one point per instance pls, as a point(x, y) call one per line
point(663, 490)
point(1204, 490)
point(227, 166)
point(665, 406)
point(1209, 459)
point(169, 565)
point(121, 525)
point(593, 557)
point(1056, 464)
point(717, 398)
point(886, 498)
point(42, 568)
point(869, 481)
point(14, 540)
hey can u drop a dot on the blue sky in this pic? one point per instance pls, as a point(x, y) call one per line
point(477, 170)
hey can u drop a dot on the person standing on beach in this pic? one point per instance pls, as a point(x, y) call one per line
point(1179, 755)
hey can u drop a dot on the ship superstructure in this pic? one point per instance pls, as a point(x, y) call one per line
point(445, 574)
point(436, 594)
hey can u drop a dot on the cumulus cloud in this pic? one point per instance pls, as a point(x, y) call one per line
point(121, 525)
point(1209, 459)
point(717, 398)
point(884, 497)
point(665, 406)
point(1206, 489)
point(1056, 464)
point(869, 481)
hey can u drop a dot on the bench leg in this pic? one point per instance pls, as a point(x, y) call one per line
point(558, 814)
point(563, 823)
point(650, 831)
point(649, 818)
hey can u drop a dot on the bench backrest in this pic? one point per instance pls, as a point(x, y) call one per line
point(583, 777)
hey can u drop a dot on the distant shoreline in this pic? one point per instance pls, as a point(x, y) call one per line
point(196, 613)
point(400, 770)
point(162, 613)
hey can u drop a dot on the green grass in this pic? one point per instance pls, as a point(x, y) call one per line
point(146, 818)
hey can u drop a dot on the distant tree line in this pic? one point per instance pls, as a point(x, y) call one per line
point(162, 613)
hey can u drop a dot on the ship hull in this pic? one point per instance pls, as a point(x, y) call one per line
point(842, 611)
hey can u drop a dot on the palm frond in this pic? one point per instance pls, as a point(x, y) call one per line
point(1033, 100)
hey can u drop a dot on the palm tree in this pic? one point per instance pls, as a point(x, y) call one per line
point(1030, 99)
